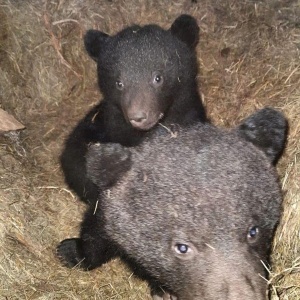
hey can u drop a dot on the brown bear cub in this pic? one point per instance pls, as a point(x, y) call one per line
point(146, 75)
point(193, 215)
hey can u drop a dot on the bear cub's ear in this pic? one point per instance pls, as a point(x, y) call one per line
point(107, 163)
point(266, 129)
point(186, 29)
point(94, 41)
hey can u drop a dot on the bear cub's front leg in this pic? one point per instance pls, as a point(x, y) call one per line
point(92, 249)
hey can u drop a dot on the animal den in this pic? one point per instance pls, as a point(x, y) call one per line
point(248, 58)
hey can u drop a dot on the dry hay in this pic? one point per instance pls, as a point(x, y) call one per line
point(248, 57)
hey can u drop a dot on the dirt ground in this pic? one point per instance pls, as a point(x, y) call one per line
point(249, 57)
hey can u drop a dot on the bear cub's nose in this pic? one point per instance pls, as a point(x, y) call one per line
point(138, 118)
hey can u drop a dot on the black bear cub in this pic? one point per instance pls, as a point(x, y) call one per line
point(146, 75)
point(194, 215)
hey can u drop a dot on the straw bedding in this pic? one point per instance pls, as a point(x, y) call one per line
point(248, 58)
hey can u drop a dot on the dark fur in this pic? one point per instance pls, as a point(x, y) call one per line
point(208, 189)
point(133, 56)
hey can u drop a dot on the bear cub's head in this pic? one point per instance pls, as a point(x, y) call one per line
point(142, 70)
point(198, 211)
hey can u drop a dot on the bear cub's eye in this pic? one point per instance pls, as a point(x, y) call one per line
point(182, 248)
point(157, 79)
point(119, 85)
point(253, 234)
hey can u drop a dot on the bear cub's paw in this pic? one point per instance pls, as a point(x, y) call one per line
point(68, 252)
point(267, 130)
point(166, 296)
